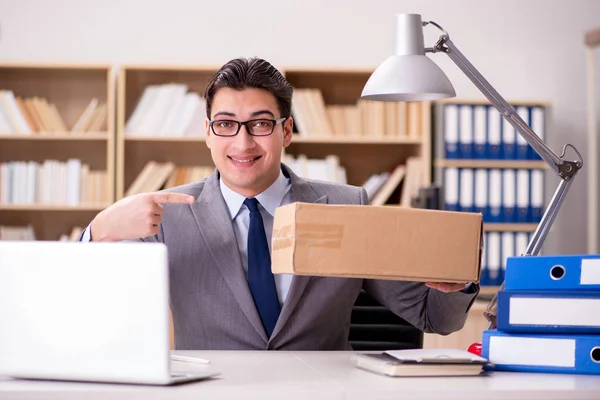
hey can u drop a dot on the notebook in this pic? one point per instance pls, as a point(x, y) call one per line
point(419, 362)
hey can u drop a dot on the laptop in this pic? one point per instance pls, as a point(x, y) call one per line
point(96, 312)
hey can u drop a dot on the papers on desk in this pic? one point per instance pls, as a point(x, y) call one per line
point(434, 362)
point(190, 359)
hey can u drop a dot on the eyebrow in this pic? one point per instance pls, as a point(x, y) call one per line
point(254, 114)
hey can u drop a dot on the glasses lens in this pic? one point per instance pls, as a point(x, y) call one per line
point(225, 127)
point(261, 126)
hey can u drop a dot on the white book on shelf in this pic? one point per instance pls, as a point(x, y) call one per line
point(32, 168)
point(7, 98)
point(73, 181)
point(141, 109)
point(4, 183)
point(49, 180)
point(85, 115)
point(172, 112)
point(17, 179)
point(317, 169)
point(39, 183)
point(197, 123)
point(332, 162)
point(169, 95)
point(5, 125)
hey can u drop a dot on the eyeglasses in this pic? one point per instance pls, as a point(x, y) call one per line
point(255, 127)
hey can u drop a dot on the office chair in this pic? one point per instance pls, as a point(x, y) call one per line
point(374, 327)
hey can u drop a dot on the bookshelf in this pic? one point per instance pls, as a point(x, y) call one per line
point(141, 139)
point(485, 166)
point(57, 143)
point(361, 151)
point(366, 137)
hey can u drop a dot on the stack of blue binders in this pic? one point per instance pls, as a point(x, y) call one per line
point(548, 316)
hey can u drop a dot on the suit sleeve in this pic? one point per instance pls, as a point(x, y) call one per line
point(427, 309)
point(86, 236)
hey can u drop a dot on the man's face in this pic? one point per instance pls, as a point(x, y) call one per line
point(247, 164)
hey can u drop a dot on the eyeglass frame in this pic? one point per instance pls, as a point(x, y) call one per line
point(245, 123)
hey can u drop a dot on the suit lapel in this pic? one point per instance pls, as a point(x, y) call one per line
point(216, 228)
point(301, 192)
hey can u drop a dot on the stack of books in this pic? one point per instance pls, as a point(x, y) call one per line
point(548, 317)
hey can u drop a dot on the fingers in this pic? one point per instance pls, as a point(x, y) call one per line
point(155, 220)
point(157, 209)
point(172, 198)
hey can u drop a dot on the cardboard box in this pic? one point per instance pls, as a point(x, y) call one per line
point(380, 242)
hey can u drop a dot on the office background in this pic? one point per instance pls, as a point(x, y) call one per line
point(526, 49)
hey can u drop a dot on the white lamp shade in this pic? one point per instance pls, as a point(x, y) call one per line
point(408, 78)
point(408, 75)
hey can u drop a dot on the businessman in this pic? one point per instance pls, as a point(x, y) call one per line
point(218, 230)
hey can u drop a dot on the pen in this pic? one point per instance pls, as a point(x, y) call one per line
point(197, 360)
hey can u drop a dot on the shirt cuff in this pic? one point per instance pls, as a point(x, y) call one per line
point(86, 236)
point(469, 288)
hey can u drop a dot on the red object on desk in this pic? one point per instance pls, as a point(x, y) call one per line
point(475, 348)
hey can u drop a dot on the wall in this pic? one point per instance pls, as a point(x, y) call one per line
point(527, 49)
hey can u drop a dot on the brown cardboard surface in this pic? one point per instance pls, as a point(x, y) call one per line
point(380, 242)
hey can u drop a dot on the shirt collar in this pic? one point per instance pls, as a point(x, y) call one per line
point(270, 198)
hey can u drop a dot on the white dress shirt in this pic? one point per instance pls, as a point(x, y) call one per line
point(276, 195)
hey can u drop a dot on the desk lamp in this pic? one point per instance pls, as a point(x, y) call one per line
point(410, 75)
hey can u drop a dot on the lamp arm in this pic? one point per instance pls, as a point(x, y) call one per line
point(565, 169)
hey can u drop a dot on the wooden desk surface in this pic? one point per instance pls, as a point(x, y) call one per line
point(313, 375)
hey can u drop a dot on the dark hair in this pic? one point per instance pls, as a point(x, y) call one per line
point(245, 73)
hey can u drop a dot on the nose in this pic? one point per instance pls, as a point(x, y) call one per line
point(243, 141)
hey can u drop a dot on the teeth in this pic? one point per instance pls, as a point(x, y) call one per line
point(243, 161)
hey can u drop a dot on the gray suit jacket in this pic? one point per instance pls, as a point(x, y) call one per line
point(211, 303)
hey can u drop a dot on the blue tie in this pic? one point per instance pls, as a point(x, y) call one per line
point(260, 277)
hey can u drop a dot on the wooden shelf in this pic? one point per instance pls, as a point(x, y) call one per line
point(351, 140)
point(492, 164)
point(534, 102)
point(510, 227)
point(162, 139)
point(356, 140)
point(57, 136)
point(52, 207)
point(70, 88)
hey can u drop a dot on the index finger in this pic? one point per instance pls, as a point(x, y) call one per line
point(172, 198)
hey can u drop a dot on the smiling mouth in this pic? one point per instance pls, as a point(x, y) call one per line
point(244, 160)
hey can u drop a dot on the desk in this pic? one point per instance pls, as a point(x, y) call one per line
point(313, 375)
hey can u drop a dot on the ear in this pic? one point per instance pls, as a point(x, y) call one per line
point(288, 131)
point(207, 133)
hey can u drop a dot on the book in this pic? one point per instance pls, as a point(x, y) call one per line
point(418, 362)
